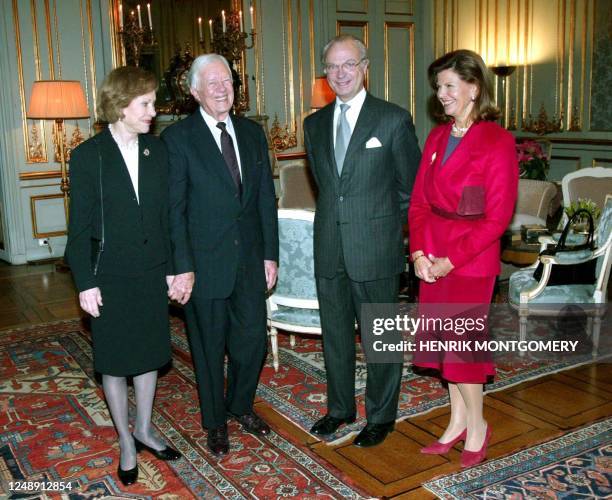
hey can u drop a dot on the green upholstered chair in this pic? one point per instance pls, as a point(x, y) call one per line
point(293, 306)
point(535, 298)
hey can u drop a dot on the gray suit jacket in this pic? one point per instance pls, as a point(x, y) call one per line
point(362, 211)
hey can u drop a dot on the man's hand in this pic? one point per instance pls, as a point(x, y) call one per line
point(271, 268)
point(181, 287)
point(90, 301)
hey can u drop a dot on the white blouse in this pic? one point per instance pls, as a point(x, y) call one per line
point(130, 156)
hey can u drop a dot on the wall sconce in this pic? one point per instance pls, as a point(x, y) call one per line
point(133, 36)
point(322, 94)
point(58, 100)
point(229, 39)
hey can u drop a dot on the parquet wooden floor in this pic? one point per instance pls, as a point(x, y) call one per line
point(520, 416)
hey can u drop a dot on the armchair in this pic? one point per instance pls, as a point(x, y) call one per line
point(293, 306)
point(534, 203)
point(535, 298)
point(594, 183)
point(297, 188)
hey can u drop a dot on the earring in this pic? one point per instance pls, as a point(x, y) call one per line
point(473, 97)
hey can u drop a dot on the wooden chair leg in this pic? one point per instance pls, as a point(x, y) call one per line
point(522, 331)
point(595, 335)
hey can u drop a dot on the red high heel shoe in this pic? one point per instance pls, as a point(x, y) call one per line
point(469, 458)
point(439, 448)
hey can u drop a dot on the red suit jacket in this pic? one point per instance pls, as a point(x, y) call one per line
point(484, 162)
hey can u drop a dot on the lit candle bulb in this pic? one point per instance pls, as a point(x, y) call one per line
point(139, 16)
point(252, 18)
point(240, 16)
point(200, 29)
point(120, 16)
point(210, 29)
point(223, 20)
point(149, 15)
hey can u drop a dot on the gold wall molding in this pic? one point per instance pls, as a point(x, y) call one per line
point(362, 10)
point(41, 174)
point(57, 41)
point(33, 153)
point(408, 12)
point(410, 64)
point(35, 232)
point(49, 40)
point(284, 136)
point(344, 23)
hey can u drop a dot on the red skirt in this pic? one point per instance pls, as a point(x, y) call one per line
point(463, 366)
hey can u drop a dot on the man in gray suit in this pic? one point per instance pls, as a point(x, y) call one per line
point(364, 155)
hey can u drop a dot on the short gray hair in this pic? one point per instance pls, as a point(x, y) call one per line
point(199, 63)
point(363, 51)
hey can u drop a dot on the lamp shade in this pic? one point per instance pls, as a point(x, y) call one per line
point(322, 94)
point(57, 99)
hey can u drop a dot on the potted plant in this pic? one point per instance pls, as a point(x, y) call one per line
point(581, 225)
point(533, 162)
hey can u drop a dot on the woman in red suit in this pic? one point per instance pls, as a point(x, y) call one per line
point(462, 202)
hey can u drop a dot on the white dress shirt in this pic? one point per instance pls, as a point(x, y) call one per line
point(130, 157)
point(356, 103)
point(216, 132)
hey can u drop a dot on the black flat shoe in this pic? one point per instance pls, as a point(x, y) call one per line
point(329, 424)
point(166, 454)
point(129, 476)
point(373, 434)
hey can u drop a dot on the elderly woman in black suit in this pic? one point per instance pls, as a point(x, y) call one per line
point(118, 249)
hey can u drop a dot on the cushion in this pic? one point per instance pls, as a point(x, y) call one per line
point(562, 294)
point(295, 316)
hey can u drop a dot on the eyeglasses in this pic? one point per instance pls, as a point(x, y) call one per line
point(348, 66)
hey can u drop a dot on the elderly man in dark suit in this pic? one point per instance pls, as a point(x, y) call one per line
point(364, 155)
point(224, 235)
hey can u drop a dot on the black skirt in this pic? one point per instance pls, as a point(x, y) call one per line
point(132, 334)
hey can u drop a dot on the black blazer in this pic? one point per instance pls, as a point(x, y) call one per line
point(363, 210)
point(136, 232)
point(213, 230)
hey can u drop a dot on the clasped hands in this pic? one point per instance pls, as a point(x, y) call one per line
point(430, 268)
point(181, 285)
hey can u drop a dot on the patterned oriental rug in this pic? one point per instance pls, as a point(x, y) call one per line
point(575, 465)
point(55, 430)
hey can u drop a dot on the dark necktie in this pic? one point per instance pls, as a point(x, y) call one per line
point(229, 155)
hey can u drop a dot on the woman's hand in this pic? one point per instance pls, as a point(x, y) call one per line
point(422, 268)
point(441, 266)
point(90, 301)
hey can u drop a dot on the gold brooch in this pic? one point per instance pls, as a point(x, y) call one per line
point(145, 151)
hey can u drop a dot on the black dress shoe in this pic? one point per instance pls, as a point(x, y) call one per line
point(329, 424)
point(217, 440)
point(129, 476)
point(373, 434)
point(251, 422)
point(166, 454)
